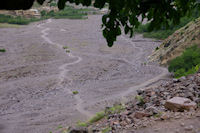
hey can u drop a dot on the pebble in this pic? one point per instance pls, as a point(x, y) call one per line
point(182, 124)
point(189, 128)
point(156, 129)
point(177, 131)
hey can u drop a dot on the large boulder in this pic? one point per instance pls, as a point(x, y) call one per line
point(180, 104)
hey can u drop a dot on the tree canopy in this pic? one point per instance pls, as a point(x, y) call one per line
point(124, 14)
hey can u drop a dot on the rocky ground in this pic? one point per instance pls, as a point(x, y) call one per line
point(46, 62)
point(172, 107)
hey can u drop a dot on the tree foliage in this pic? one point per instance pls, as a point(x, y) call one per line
point(187, 63)
point(124, 14)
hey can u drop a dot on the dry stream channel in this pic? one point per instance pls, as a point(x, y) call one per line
point(38, 77)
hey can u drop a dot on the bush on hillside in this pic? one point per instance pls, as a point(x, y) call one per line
point(164, 32)
point(68, 12)
point(187, 63)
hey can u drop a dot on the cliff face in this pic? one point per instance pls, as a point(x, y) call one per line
point(175, 44)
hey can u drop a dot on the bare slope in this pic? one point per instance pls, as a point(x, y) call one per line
point(175, 44)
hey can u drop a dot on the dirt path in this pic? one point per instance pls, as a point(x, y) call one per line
point(63, 70)
point(38, 77)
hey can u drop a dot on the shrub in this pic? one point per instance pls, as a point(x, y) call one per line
point(115, 109)
point(140, 99)
point(75, 92)
point(187, 63)
point(16, 20)
point(82, 124)
point(68, 12)
point(3, 50)
point(54, 4)
point(65, 47)
point(67, 51)
point(97, 117)
point(157, 48)
point(43, 13)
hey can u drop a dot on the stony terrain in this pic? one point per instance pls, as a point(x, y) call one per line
point(153, 110)
point(56, 72)
point(175, 44)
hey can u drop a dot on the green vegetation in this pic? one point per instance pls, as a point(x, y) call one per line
point(67, 51)
point(100, 115)
point(157, 48)
point(115, 109)
point(97, 117)
point(59, 127)
point(158, 115)
point(164, 32)
point(140, 99)
point(5, 25)
point(187, 63)
point(69, 12)
point(198, 105)
point(16, 20)
point(75, 92)
point(106, 130)
point(2, 50)
point(82, 124)
point(65, 47)
point(54, 4)
point(123, 15)
point(36, 4)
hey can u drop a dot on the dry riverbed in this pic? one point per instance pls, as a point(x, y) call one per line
point(56, 72)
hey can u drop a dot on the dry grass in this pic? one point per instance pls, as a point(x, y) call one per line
point(5, 25)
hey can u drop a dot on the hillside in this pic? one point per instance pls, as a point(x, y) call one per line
point(175, 44)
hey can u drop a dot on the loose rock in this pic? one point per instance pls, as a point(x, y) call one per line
point(79, 130)
point(180, 104)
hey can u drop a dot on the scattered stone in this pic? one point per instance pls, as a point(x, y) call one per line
point(139, 92)
point(156, 130)
point(158, 104)
point(79, 130)
point(177, 131)
point(165, 116)
point(152, 110)
point(182, 124)
point(180, 104)
point(140, 115)
point(197, 100)
point(175, 80)
point(188, 128)
point(182, 79)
